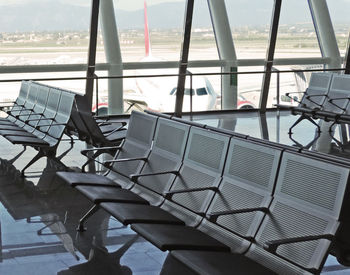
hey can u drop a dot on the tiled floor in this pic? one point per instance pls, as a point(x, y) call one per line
point(39, 214)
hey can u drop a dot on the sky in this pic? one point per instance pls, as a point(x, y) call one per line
point(120, 4)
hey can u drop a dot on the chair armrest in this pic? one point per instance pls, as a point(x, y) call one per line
point(310, 96)
point(170, 194)
point(336, 105)
point(115, 130)
point(109, 163)
point(272, 246)
point(134, 177)
point(85, 151)
point(215, 215)
point(288, 95)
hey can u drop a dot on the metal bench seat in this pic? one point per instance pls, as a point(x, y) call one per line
point(98, 194)
point(134, 213)
point(240, 202)
point(49, 131)
point(172, 237)
point(214, 263)
point(74, 179)
point(300, 226)
point(88, 129)
point(159, 170)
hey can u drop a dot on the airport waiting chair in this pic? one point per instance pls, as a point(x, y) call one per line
point(88, 129)
point(23, 126)
point(241, 201)
point(47, 142)
point(312, 100)
point(129, 158)
point(299, 228)
point(156, 178)
point(18, 103)
point(190, 195)
point(340, 102)
point(23, 111)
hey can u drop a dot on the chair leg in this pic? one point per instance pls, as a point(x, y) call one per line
point(301, 118)
point(88, 214)
point(36, 158)
point(18, 155)
point(91, 158)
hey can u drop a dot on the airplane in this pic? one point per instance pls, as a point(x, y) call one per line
point(159, 94)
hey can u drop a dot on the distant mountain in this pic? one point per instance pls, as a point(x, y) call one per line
point(44, 16)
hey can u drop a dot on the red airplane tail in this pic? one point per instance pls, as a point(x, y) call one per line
point(147, 38)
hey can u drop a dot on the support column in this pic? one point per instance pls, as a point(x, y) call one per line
point(113, 57)
point(347, 57)
point(270, 55)
point(329, 49)
point(184, 58)
point(227, 52)
point(89, 88)
point(325, 32)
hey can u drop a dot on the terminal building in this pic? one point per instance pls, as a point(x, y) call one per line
point(174, 137)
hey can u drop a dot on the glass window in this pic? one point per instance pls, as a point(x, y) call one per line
point(250, 26)
point(339, 12)
point(296, 32)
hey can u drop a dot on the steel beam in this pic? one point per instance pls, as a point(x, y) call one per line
point(113, 57)
point(89, 88)
point(270, 55)
point(184, 58)
point(325, 32)
point(329, 49)
point(347, 57)
point(227, 52)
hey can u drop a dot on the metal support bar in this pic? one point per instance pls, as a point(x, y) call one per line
point(89, 88)
point(184, 58)
point(270, 55)
point(347, 57)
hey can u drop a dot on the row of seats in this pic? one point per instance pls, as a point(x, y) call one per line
point(220, 202)
point(327, 98)
point(38, 118)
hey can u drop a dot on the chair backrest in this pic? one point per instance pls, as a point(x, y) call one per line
point(137, 143)
point(86, 124)
point(40, 105)
point(167, 153)
point(307, 202)
point(316, 93)
point(339, 95)
point(32, 95)
point(50, 111)
point(23, 93)
point(77, 122)
point(202, 167)
point(248, 182)
point(55, 132)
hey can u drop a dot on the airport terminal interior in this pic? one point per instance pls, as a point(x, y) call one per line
point(174, 137)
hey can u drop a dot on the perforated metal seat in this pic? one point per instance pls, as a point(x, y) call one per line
point(191, 194)
point(337, 101)
point(313, 99)
point(88, 129)
point(157, 175)
point(296, 236)
point(48, 135)
point(296, 233)
point(18, 105)
point(129, 157)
